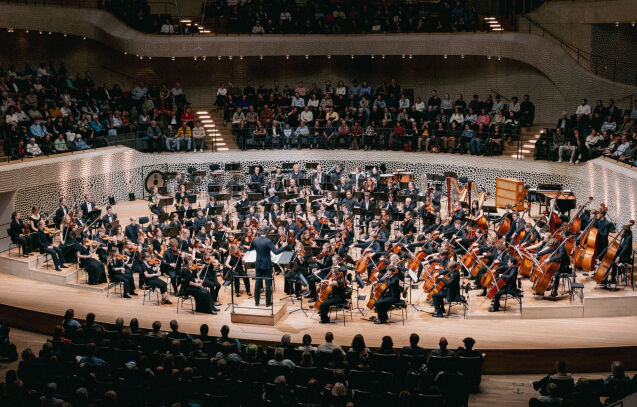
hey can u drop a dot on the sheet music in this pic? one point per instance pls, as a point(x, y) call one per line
point(281, 258)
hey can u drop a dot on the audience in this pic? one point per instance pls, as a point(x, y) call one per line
point(585, 135)
point(337, 17)
point(94, 367)
point(50, 111)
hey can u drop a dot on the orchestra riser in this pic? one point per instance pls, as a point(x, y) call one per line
point(34, 267)
point(245, 312)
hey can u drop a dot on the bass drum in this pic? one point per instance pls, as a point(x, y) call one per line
point(154, 179)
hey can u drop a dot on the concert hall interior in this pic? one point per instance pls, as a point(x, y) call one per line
point(306, 203)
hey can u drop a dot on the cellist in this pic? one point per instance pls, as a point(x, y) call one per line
point(558, 255)
point(508, 214)
point(320, 272)
point(337, 296)
point(510, 276)
point(517, 226)
point(623, 255)
point(530, 234)
point(451, 278)
point(497, 252)
point(390, 296)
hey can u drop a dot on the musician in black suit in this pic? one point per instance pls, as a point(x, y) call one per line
point(16, 232)
point(366, 204)
point(87, 206)
point(319, 174)
point(517, 226)
point(337, 296)
point(263, 265)
point(451, 290)
point(623, 255)
point(510, 277)
point(356, 177)
point(256, 177)
point(604, 227)
point(110, 217)
point(558, 255)
point(61, 212)
point(45, 243)
point(390, 296)
point(131, 230)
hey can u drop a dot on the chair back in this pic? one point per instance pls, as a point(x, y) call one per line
point(471, 368)
point(438, 363)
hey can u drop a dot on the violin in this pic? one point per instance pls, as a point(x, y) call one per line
point(122, 257)
point(299, 222)
point(49, 231)
point(323, 220)
point(91, 243)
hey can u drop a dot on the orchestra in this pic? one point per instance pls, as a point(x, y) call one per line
point(365, 230)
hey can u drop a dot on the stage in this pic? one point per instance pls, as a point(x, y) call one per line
point(33, 297)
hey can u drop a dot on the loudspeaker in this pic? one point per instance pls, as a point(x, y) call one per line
point(111, 200)
point(131, 196)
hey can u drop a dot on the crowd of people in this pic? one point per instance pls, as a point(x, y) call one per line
point(605, 130)
point(46, 110)
point(303, 17)
point(360, 115)
point(90, 364)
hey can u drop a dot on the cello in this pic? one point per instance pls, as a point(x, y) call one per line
point(379, 289)
point(326, 288)
point(554, 219)
point(609, 257)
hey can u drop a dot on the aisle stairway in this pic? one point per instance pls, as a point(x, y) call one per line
point(528, 138)
point(217, 135)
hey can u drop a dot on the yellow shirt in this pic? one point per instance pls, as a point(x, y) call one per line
point(184, 132)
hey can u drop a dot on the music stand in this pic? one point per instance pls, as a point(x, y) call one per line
point(214, 188)
point(287, 166)
point(232, 166)
point(311, 166)
point(304, 182)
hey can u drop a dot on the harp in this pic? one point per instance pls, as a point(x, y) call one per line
point(455, 193)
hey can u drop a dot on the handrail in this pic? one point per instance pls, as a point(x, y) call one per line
point(500, 93)
point(582, 55)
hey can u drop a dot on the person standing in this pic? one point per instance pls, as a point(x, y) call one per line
point(263, 265)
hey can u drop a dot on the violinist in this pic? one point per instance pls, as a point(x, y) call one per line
point(248, 238)
point(193, 285)
point(408, 228)
point(67, 239)
point(558, 255)
point(604, 227)
point(87, 206)
point(102, 245)
point(330, 204)
point(450, 277)
point(117, 271)
point(510, 276)
point(390, 296)
point(94, 269)
point(337, 296)
point(19, 235)
point(34, 219)
point(369, 185)
point(488, 256)
point(307, 239)
point(437, 225)
point(517, 226)
point(385, 221)
point(347, 234)
point(321, 223)
point(149, 276)
point(153, 202)
point(320, 270)
point(132, 231)
point(458, 212)
point(375, 239)
point(234, 266)
point(623, 255)
point(158, 246)
point(172, 261)
point(275, 216)
point(180, 195)
point(80, 222)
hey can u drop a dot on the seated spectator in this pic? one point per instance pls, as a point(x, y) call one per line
point(307, 344)
point(280, 360)
point(413, 348)
point(167, 27)
point(183, 134)
point(59, 145)
point(560, 376)
point(442, 350)
point(622, 148)
point(33, 150)
point(468, 350)
point(198, 136)
point(358, 344)
point(90, 359)
point(386, 346)
point(157, 332)
point(329, 344)
point(79, 144)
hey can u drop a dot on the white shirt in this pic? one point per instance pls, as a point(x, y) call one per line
point(167, 29)
point(420, 106)
point(307, 116)
point(583, 109)
point(403, 103)
point(222, 92)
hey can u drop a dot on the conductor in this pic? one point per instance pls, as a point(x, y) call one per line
point(263, 265)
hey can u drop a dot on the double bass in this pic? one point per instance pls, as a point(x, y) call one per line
point(609, 257)
point(546, 271)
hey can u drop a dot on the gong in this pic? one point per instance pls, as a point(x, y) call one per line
point(154, 179)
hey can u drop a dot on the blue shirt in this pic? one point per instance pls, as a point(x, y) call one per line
point(139, 93)
point(81, 145)
point(37, 131)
